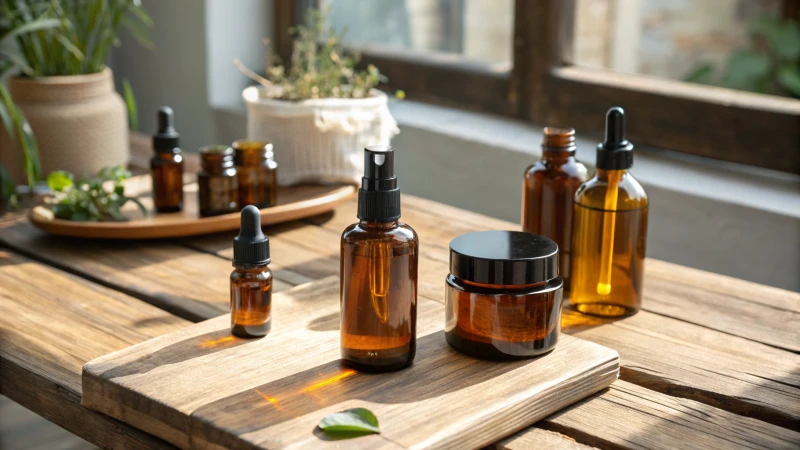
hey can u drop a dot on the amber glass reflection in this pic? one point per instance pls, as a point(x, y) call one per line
point(251, 300)
point(166, 169)
point(627, 246)
point(548, 189)
point(379, 295)
point(257, 173)
point(217, 181)
point(501, 322)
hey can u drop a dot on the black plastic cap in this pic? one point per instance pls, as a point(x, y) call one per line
point(615, 152)
point(503, 258)
point(251, 246)
point(166, 138)
point(379, 196)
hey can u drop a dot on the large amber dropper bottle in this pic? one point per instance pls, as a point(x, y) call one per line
point(610, 230)
point(379, 273)
point(548, 189)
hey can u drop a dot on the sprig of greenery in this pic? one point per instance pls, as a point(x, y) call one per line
point(770, 64)
point(87, 200)
point(320, 68)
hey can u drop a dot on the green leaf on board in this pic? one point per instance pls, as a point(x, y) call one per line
point(355, 421)
point(59, 180)
point(90, 199)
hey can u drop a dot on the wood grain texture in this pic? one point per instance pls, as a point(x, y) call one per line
point(630, 416)
point(201, 388)
point(188, 283)
point(51, 323)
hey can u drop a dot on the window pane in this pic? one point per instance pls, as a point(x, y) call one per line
point(471, 29)
point(705, 41)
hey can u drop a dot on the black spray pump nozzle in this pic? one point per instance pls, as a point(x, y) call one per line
point(166, 138)
point(379, 196)
point(615, 152)
point(251, 246)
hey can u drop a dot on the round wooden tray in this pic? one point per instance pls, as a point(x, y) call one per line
point(295, 202)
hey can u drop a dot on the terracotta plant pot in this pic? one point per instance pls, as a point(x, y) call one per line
point(319, 140)
point(79, 121)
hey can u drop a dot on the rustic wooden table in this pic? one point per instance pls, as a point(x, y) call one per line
point(710, 362)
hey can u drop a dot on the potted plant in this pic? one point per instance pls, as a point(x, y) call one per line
point(320, 113)
point(59, 106)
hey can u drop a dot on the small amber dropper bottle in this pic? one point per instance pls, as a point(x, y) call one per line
point(251, 279)
point(610, 231)
point(548, 189)
point(379, 273)
point(166, 166)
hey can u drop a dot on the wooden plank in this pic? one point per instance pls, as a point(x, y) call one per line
point(20, 428)
point(188, 283)
point(167, 386)
point(629, 416)
point(51, 323)
point(539, 438)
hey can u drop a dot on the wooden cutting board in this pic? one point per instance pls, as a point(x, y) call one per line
point(202, 388)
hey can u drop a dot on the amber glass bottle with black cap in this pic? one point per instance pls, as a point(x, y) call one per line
point(503, 295)
point(217, 182)
point(548, 189)
point(379, 273)
point(610, 232)
point(251, 279)
point(166, 166)
point(256, 173)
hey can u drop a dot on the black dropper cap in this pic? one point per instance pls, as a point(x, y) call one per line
point(166, 138)
point(616, 152)
point(379, 196)
point(251, 246)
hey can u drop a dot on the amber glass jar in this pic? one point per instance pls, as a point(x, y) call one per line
point(256, 172)
point(548, 188)
point(503, 295)
point(217, 181)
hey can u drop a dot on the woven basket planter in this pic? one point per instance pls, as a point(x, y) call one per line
point(319, 140)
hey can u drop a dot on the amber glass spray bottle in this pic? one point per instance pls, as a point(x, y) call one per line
point(548, 189)
point(251, 279)
point(379, 273)
point(610, 233)
point(166, 166)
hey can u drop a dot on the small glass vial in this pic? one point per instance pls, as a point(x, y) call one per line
point(217, 181)
point(379, 274)
point(166, 166)
point(251, 279)
point(503, 295)
point(610, 234)
point(256, 172)
point(548, 190)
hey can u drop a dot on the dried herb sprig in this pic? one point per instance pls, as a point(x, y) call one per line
point(87, 200)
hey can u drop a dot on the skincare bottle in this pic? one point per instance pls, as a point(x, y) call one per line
point(610, 232)
point(166, 166)
point(251, 279)
point(548, 189)
point(217, 181)
point(256, 172)
point(378, 273)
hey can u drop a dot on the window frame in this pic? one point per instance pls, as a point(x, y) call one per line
point(545, 88)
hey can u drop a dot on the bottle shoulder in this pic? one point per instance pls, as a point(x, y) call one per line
point(400, 234)
point(571, 169)
point(259, 273)
point(630, 193)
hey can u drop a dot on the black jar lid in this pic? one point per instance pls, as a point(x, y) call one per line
point(503, 258)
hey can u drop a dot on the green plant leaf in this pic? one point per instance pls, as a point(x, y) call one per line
point(59, 180)
point(702, 74)
point(355, 420)
point(7, 185)
point(24, 135)
point(745, 69)
point(28, 27)
point(765, 27)
point(787, 45)
point(130, 104)
point(789, 79)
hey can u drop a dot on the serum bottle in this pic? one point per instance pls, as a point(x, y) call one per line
point(610, 234)
point(166, 166)
point(251, 279)
point(379, 273)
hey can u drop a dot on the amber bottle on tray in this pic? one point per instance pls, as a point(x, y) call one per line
point(256, 172)
point(610, 234)
point(166, 166)
point(217, 182)
point(548, 189)
point(251, 279)
point(378, 273)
